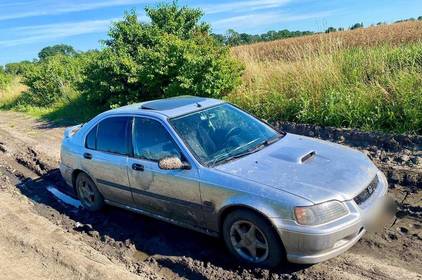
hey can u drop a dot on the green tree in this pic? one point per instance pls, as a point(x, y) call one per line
point(420, 18)
point(232, 38)
point(17, 68)
point(143, 61)
point(356, 26)
point(56, 49)
point(330, 30)
point(180, 21)
point(219, 38)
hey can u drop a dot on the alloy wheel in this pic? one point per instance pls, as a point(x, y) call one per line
point(86, 192)
point(249, 241)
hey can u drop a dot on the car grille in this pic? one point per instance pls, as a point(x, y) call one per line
point(366, 193)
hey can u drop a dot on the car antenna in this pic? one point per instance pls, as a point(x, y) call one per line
point(198, 105)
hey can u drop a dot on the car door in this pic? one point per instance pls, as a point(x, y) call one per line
point(174, 194)
point(106, 155)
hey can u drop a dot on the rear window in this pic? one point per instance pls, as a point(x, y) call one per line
point(112, 136)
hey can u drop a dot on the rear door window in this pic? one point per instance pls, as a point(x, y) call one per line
point(91, 139)
point(112, 135)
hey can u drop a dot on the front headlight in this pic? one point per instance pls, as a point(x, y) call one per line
point(320, 213)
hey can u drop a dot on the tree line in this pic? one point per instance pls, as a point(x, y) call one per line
point(360, 25)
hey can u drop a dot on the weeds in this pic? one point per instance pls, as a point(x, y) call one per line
point(374, 88)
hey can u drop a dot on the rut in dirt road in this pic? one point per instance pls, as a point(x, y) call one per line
point(169, 252)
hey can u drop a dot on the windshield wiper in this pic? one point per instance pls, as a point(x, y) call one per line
point(272, 140)
point(253, 150)
point(240, 155)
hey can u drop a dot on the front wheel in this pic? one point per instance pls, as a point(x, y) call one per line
point(252, 239)
point(88, 193)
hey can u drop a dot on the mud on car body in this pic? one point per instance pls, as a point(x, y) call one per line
point(207, 165)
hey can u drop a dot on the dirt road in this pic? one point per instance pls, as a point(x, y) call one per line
point(44, 236)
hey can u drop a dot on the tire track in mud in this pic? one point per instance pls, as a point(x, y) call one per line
point(143, 244)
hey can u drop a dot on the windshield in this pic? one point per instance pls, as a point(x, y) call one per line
point(222, 133)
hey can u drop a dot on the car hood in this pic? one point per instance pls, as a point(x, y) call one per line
point(310, 168)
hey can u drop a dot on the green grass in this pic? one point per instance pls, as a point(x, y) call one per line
point(67, 111)
point(377, 88)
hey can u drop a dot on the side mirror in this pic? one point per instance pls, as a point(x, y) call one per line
point(172, 163)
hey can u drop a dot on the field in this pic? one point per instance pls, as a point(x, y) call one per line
point(303, 47)
point(366, 78)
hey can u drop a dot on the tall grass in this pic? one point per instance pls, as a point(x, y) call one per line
point(11, 92)
point(373, 87)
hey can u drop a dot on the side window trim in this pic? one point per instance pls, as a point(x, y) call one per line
point(129, 135)
point(165, 128)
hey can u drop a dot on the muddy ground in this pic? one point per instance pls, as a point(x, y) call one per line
point(41, 237)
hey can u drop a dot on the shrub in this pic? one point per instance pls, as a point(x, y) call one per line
point(55, 77)
point(173, 55)
point(17, 68)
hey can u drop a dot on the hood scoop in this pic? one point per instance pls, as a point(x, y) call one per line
point(308, 156)
point(294, 154)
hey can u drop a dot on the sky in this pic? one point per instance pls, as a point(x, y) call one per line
point(26, 26)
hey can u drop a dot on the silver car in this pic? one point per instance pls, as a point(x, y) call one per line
point(207, 165)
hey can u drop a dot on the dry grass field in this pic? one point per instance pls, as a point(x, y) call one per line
point(367, 78)
point(302, 47)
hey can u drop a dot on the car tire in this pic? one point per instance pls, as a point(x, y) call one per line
point(236, 224)
point(88, 193)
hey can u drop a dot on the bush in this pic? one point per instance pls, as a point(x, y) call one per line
point(173, 55)
point(55, 77)
point(17, 68)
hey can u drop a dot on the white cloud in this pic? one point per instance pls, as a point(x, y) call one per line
point(44, 8)
point(40, 33)
point(254, 20)
point(242, 6)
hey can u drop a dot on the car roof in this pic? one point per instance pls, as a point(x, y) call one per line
point(170, 107)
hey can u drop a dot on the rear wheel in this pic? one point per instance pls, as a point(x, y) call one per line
point(252, 239)
point(91, 199)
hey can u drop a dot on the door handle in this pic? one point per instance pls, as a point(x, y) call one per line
point(137, 167)
point(87, 156)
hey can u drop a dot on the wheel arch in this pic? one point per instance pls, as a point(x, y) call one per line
point(224, 212)
point(233, 207)
point(75, 174)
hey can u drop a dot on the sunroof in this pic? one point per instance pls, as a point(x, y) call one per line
point(172, 103)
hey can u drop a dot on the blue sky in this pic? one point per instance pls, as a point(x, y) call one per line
point(26, 26)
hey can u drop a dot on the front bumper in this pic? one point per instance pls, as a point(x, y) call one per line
point(314, 244)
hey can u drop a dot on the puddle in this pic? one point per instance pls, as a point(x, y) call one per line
point(64, 197)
